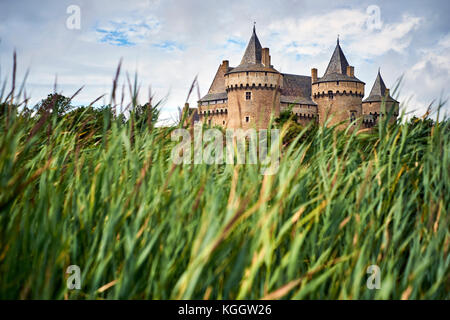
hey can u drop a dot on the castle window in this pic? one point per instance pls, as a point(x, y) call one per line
point(209, 122)
point(330, 94)
point(247, 119)
point(352, 116)
point(265, 73)
point(248, 96)
point(247, 72)
point(223, 122)
point(337, 83)
point(226, 111)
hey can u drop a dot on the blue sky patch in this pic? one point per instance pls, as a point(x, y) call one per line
point(124, 33)
point(236, 42)
point(117, 38)
point(169, 46)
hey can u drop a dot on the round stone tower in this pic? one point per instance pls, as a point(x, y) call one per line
point(338, 93)
point(379, 103)
point(253, 89)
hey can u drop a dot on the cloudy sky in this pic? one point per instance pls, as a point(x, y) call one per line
point(169, 42)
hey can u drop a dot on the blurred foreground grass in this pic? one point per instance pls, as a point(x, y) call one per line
point(112, 202)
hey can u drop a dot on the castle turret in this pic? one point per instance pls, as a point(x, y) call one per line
point(213, 107)
point(338, 93)
point(379, 99)
point(253, 88)
point(313, 75)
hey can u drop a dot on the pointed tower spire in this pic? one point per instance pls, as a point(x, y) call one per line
point(338, 62)
point(338, 68)
point(379, 88)
point(378, 91)
point(253, 53)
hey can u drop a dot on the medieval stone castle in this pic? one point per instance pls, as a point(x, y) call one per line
point(247, 95)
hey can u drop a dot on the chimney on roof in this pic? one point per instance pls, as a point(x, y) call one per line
point(225, 64)
point(350, 71)
point(387, 92)
point(265, 57)
point(313, 75)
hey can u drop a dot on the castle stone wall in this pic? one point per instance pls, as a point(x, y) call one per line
point(214, 114)
point(253, 78)
point(374, 108)
point(254, 113)
point(305, 114)
point(264, 89)
point(338, 101)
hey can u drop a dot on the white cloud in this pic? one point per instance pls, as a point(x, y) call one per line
point(127, 31)
point(169, 42)
point(311, 36)
point(431, 75)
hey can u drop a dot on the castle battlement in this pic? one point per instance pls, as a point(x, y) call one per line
point(247, 96)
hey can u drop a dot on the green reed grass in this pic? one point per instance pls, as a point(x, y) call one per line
point(140, 227)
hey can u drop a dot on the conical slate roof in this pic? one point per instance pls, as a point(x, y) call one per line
point(337, 67)
point(253, 53)
point(379, 88)
point(378, 91)
point(252, 59)
point(338, 62)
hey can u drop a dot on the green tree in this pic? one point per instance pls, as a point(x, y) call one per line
point(145, 115)
point(55, 103)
